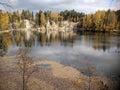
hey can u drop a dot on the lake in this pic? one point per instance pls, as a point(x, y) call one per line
point(82, 50)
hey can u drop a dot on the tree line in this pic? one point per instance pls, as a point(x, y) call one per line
point(99, 21)
point(15, 19)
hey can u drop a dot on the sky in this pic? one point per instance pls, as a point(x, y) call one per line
point(86, 6)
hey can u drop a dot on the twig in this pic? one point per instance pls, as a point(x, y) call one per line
point(5, 4)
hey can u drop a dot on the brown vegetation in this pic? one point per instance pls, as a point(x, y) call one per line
point(54, 77)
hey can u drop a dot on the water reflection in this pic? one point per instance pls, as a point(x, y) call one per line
point(101, 41)
point(68, 48)
point(98, 41)
point(21, 39)
point(48, 39)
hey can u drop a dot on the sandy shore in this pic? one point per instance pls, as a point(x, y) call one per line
point(49, 76)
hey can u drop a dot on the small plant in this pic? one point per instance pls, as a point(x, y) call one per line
point(25, 65)
point(103, 86)
point(77, 84)
point(90, 71)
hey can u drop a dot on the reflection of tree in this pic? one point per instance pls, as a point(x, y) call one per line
point(43, 39)
point(67, 39)
point(99, 41)
point(18, 37)
point(29, 43)
point(102, 41)
point(48, 39)
point(5, 41)
point(1, 42)
point(54, 38)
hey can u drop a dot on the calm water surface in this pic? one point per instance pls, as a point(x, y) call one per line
point(98, 50)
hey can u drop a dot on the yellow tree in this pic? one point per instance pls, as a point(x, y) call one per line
point(54, 16)
point(99, 17)
point(113, 20)
point(42, 18)
point(89, 21)
point(4, 21)
point(60, 18)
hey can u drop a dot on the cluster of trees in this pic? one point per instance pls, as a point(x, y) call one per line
point(72, 15)
point(101, 21)
point(43, 17)
point(5, 42)
point(15, 19)
point(4, 20)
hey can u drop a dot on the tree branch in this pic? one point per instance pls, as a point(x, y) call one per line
point(5, 4)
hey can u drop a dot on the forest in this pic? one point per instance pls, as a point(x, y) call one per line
point(99, 21)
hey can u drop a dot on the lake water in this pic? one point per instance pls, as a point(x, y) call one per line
point(95, 50)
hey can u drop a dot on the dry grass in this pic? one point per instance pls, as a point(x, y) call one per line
point(56, 77)
point(60, 70)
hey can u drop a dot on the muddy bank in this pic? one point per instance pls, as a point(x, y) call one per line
point(49, 76)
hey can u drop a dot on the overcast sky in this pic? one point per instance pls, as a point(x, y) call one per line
point(87, 6)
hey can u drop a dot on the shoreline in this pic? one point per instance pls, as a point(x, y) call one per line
point(47, 70)
point(77, 31)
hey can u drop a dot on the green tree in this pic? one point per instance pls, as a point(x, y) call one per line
point(26, 14)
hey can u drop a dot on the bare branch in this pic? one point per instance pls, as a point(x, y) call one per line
point(5, 4)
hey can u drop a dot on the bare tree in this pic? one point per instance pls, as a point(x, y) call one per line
point(6, 4)
point(25, 64)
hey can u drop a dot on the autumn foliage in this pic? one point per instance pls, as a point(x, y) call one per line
point(99, 21)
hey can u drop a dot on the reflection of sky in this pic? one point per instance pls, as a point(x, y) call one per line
point(77, 55)
point(12, 50)
point(77, 49)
